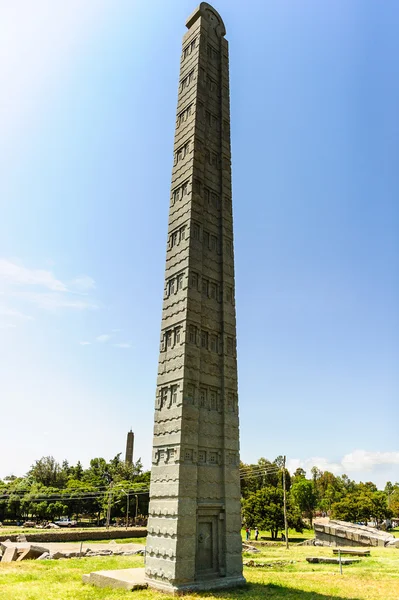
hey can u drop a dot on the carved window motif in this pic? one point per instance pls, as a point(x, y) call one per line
point(206, 195)
point(211, 84)
point(189, 48)
point(184, 189)
point(190, 393)
point(204, 286)
point(211, 120)
point(206, 239)
point(197, 186)
point(232, 459)
point(192, 334)
point(174, 239)
point(194, 281)
point(215, 200)
point(171, 454)
point(186, 81)
point(229, 247)
point(171, 286)
point(179, 192)
point(168, 337)
point(231, 402)
point(184, 115)
point(196, 231)
point(229, 295)
point(230, 346)
point(175, 196)
point(201, 456)
point(212, 400)
point(179, 282)
point(214, 243)
point(214, 343)
point(177, 236)
point(212, 53)
point(202, 398)
point(226, 131)
point(177, 335)
point(204, 339)
point(182, 152)
point(163, 396)
point(213, 458)
point(188, 454)
point(161, 455)
point(213, 291)
point(173, 393)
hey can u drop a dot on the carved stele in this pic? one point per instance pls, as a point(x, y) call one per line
point(194, 539)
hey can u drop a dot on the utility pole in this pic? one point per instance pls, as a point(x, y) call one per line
point(127, 507)
point(285, 507)
point(109, 504)
point(137, 506)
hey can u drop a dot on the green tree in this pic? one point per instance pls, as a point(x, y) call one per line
point(304, 496)
point(47, 472)
point(265, 509)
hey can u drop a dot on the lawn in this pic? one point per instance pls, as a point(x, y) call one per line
point(374, 578)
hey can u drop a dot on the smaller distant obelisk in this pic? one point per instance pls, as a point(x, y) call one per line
point(129, 448)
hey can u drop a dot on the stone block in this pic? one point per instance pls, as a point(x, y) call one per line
point(10, 554)
point(31, 552)
point(125, 579)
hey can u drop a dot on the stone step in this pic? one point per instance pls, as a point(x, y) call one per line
point(333, 561)
point(351, 552)
point(126, 579)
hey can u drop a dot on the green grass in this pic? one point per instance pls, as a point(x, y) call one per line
point(374, 578)
point(293, 535)
point(141, 540)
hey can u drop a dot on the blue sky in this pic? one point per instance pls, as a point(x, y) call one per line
point(87, 117)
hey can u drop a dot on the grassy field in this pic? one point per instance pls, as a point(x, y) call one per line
point(374, 578)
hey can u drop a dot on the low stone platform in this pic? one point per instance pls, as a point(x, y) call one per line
point(354, 552)
point(125, 579)
point(332, 561)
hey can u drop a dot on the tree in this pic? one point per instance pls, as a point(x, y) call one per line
point(303, 495)
point(47, 472)
point(265, 509)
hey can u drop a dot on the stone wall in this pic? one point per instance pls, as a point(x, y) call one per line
point(73, 535)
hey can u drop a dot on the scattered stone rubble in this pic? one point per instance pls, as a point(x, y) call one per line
point(22, 550)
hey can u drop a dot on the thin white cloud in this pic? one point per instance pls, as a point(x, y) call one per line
point(40, 287)
point(83, 283)
point(14, 274)
point(359, 461)
point(10, 312)
point(85, 343)
point(123, 345)
point(7, 326)
point(103, 338)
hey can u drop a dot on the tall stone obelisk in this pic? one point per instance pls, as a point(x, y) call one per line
point(194, 539)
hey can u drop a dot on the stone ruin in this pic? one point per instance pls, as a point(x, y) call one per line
point(341, 533)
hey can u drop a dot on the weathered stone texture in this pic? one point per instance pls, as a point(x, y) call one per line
point(341, 533)
point(194, 539)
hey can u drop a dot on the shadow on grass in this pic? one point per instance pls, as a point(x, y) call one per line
point(272, 591)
